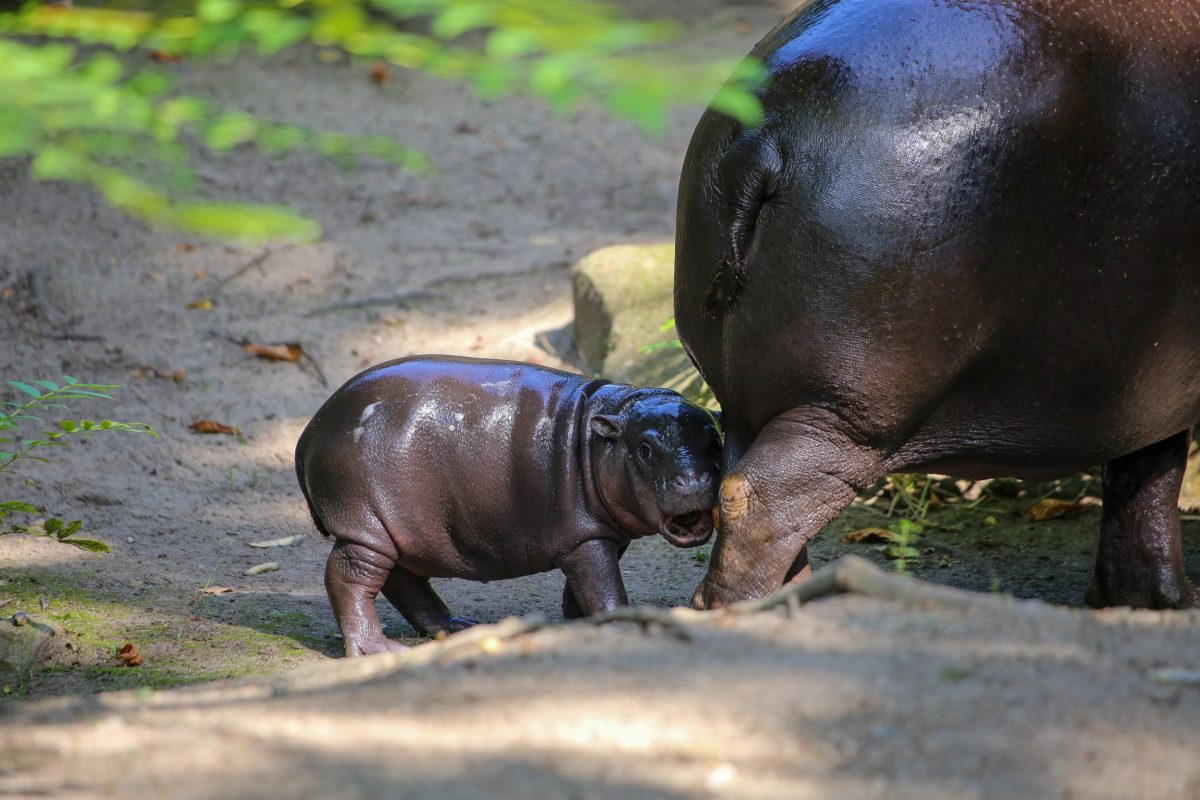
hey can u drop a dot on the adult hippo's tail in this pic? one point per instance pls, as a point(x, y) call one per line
point(747, 178)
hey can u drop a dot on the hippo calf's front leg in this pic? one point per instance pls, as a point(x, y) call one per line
point(593, 579)
point(798, 475)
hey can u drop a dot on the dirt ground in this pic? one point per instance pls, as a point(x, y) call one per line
point(479, 256)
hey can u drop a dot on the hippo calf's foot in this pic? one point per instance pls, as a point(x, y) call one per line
point(1139, 562)
point(416, 599)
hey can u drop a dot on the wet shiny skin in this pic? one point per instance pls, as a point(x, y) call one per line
point(455, 467)
point(964, 241)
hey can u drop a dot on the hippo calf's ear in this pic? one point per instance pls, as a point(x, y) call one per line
point(719, 417)
point(606, 426)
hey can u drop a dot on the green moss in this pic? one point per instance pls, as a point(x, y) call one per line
point(180, 643)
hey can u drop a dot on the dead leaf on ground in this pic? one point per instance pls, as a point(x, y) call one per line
point(216, 590)
point(380, 74)
point(284, 542)
point(128, 655)
point(282, 351)
point(212, 426)
point(168, 58)
point(185, 247)
point(200, 305)
point(870, 536)
point(259, 569)
point(1053, 508)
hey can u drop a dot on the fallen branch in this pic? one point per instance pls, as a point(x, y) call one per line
point(854, 574)
point(674, 620)
point(401, 299)
point(257, 261)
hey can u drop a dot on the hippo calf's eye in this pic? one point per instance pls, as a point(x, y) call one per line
point(644, 451)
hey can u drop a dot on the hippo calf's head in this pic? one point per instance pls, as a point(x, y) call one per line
point(659, 462)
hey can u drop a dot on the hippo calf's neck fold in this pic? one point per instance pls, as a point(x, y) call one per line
point(454, 467)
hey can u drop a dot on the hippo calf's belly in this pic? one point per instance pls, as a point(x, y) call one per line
point(964, 239)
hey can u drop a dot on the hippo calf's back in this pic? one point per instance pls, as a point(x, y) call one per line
point(456, 458)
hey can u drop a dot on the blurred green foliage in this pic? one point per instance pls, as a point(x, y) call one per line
point(87, 115)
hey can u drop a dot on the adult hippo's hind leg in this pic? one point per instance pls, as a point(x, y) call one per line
point(353, 577)
point(1139, 561)
point(420, 604)
point(801, 471)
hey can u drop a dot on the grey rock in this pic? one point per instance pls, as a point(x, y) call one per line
point(623, 299)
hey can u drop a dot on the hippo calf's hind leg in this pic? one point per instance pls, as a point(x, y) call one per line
point(420, 604)
point(799, 474)
point(1139, 561)
point(353, 577)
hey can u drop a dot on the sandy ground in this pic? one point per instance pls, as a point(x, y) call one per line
point(483, 250)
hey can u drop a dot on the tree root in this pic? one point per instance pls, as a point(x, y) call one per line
point(402, 299)
point(257, 261)
point(854, 574)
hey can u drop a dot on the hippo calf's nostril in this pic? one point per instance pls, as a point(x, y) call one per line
point(681, 482)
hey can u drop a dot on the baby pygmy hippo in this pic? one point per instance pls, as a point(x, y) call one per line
point(455, 467)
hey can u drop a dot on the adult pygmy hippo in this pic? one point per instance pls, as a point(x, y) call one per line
point(456, 467)
point(965, 239)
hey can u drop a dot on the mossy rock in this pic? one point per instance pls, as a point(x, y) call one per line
point(20, 645)
point(623, 300)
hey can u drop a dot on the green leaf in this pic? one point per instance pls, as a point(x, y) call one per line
point(75, 393)
point(68, 379)
point(13, 506)
point(246, 222)
point(19, 132)
point(67, 425)
point(7, 455)
point(229, 130)
point(51, 385)
point(26, 388)
point(458, 19)
point(739, 104)
point(218, 10)
point(103, 68)
point(91, 545)
point(57, 163)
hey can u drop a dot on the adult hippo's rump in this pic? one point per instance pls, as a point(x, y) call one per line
point(966, 239)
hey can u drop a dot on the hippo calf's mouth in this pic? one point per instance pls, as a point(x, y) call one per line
point(687, 530)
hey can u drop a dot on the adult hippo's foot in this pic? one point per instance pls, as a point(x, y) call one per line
point(1139, 562)
point(798, 475)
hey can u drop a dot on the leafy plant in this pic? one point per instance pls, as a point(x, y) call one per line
point(89, 119)
point(49, 395)
point(685, 379)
